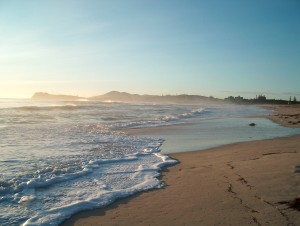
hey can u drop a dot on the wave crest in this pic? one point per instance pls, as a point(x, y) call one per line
point(47, 108)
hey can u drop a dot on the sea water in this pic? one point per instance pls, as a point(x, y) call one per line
point(60, 157)
point(205, 134)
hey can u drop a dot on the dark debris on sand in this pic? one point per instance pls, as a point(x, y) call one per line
point(294, 204)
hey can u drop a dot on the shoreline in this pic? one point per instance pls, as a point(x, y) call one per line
point(244, 184)
point(286, 115)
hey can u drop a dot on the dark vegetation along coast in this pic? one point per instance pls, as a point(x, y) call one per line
point(261, 99)
point(182, 98)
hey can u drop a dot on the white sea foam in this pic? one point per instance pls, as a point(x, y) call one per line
point(144, 177)
point(105, 167)
point(26, 199)
point(58, 158)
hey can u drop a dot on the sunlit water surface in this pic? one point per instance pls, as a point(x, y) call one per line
point(61, 157)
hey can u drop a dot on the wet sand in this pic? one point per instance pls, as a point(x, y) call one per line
point(250, 183)
point(287, 115)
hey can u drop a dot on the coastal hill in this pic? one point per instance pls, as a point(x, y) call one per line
point(127, 97)
point(47, 96)
point(116, 96)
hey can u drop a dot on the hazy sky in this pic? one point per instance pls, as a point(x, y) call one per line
point(87, 47)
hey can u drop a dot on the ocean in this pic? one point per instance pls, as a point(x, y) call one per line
point(61, 157)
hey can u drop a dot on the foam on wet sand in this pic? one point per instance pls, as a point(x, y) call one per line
point(250, 183)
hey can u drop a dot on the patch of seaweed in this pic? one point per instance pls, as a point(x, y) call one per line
point(295, 204)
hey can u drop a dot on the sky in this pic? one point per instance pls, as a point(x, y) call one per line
point(90, 47)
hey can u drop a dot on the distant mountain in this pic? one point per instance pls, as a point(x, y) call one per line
point(47, 96)
point(116, 96)
point(127, 97)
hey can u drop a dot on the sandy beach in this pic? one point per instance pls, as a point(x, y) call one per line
point(288, 116)
point(250, 183)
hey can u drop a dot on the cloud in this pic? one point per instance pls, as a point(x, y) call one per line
point(43, 82)
point(38, 82)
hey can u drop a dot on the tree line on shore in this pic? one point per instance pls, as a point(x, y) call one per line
point(261, 99)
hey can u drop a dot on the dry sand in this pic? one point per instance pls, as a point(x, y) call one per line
point(251, 183)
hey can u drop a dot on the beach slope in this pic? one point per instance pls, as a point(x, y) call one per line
point(250, 183)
